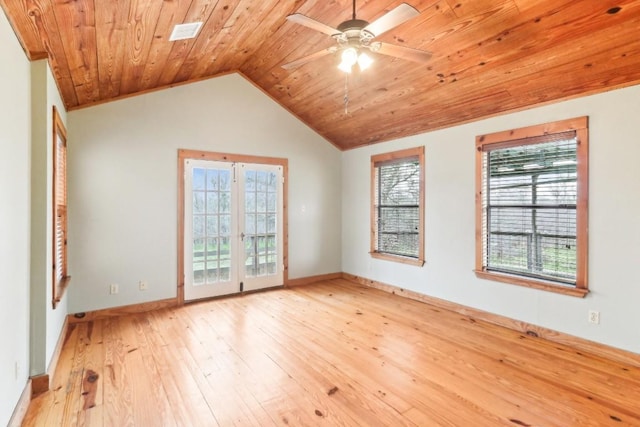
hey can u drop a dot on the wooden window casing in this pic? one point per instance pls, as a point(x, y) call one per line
point(60, 273)
point(523, 137)
point(412, 157)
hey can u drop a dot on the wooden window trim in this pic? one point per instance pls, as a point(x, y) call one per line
point(504, 140)
point(59, 284)
point(389, 157)
point(185, 154)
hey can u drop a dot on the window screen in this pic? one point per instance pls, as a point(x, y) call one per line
point(529, 207)
point(397, 207)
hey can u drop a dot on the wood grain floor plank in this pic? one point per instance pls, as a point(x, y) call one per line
point(91, 413)
point(189, 406)
point(318, 380)
point(389, 379)
point(330, 353)
point(117, 389)
point(67, 388)
point(532, 371)
point(247, 363)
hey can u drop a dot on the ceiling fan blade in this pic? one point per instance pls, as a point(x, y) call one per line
point(392, 19)
point(402, 52)
point(299, 18)
point(309, 58)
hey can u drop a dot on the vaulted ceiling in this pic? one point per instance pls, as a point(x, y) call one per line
point(488, 56)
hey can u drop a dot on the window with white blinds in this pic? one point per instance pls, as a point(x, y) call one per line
point(398, 205)
point(530, 215)
point(60, 273)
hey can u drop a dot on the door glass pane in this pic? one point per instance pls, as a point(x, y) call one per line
point(198, 225)
point(249, 254)
point(225, 259)
point(225, 224)
point(262, 202)
point(212, 202)
point(249, 181)
point(212, 179)
point(198, 179)
point(262, 224)
point(271, 243)
point(260, 195)
point(212, 251)
point(262, 181)
point(224, 198)
point(271, 223)
point(272, 186)
point(224, 180)
point(272, 199)
point(250, 202)
point(271, 264)
point(250, 223)
point(198, 202)
point(211, 225)
point(198, 273)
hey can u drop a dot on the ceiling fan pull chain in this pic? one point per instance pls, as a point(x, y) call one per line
point(346, 94)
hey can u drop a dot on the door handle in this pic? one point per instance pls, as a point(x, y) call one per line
point(242, 236)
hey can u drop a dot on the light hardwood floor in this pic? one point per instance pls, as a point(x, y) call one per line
point(331, 353)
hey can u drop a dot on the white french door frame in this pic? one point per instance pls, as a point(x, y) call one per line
point(259, 229)
point(238, 282)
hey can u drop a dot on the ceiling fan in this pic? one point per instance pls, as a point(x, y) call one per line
point(355, 36)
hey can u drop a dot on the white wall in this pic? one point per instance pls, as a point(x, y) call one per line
point(123, 184)
point(46, 322)
point(14, 220)
point(55, 317)
point(614, 228)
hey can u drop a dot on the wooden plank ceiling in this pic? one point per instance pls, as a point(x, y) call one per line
point(489, 56)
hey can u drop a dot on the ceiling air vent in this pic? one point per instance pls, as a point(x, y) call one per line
point(185, 31)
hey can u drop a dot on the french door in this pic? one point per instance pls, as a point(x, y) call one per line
point(233, 227)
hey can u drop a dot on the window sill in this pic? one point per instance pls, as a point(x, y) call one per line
point(531, 283)
point(397, 258)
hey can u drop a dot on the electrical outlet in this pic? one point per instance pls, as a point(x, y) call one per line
point(594, 317)
point(143, 285)
point(113, 288)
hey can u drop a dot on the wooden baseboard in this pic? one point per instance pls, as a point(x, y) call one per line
point(123, 310)
point(580, 344)
point(174, 302)
point(40, 384)
point(312, 279)
point(22, 406)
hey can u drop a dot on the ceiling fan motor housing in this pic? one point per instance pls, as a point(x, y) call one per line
point(352, 32)
point(352, 24)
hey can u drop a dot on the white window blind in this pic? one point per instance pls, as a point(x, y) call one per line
point(60, 226)
point(397, 207)
point(529, 207)
point(60, 273)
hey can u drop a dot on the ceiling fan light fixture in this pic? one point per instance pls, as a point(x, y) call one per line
point(350, 57)
point(355, 35)
point(344, 67)
point(364, 61)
